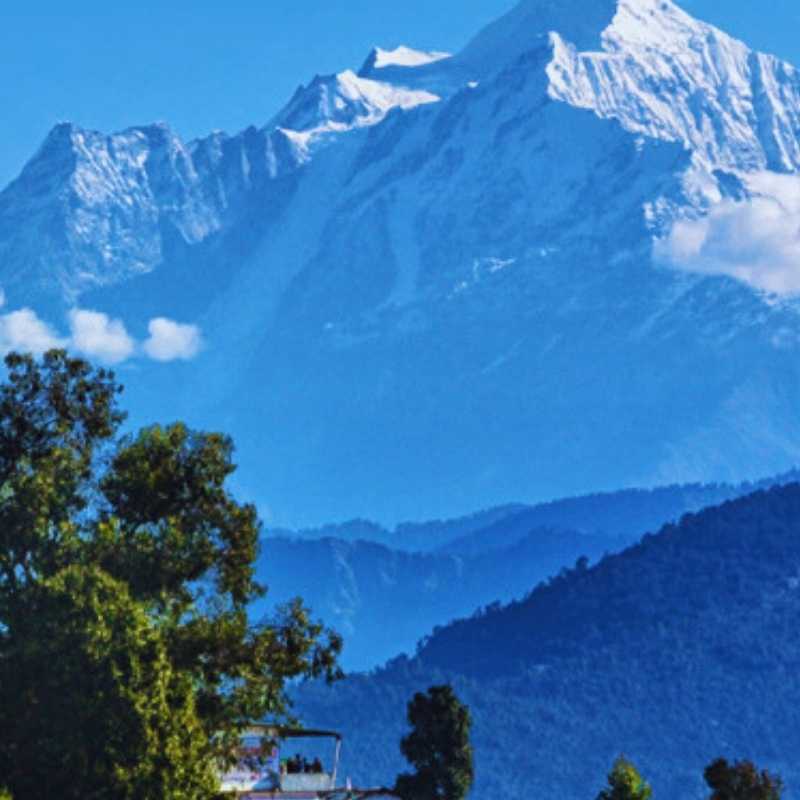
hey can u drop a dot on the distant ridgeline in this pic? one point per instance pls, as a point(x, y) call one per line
point(680, 649)
point(384, 590)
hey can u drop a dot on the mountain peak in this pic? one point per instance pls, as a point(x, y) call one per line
point(570, 12)
point(499, 206)
point(335, 104)
point(61, 131)
point(666, 75)
point(585, 26)
point(658, 24)
point(518, 31)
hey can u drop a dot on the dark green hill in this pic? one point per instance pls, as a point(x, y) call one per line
point(677, 650)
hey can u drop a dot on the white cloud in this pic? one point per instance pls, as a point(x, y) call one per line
point(96, 335)
point(24, 332)
point(171, 340)
point(756, 241)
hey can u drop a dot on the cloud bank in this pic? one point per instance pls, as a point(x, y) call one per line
point(97, 336)
point(756, 241)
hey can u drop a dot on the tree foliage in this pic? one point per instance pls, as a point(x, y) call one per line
point(438, 746)
point(127, 664)
point(116, 709)
point(625, 783)
point(741, 780)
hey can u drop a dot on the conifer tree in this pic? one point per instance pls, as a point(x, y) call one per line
point(625, 783)
point(438, 746)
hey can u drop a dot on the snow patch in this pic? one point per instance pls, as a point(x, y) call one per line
point(337, 104)
point(380, 97)
point(405, 57)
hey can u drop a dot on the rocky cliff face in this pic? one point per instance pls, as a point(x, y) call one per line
point(450, 281)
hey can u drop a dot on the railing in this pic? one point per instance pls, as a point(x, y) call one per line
point(306, 782)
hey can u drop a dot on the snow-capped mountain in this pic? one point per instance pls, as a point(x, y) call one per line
point(730, 106)
point(560, 260)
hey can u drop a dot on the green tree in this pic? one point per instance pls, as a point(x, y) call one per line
point(438, 746)
point(120, 720)
point(741, 781)
point(127, 664)
point(625, 783)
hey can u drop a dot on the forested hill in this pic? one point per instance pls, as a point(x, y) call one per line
point(385, 589)
point(725, 565)
point(677, 650)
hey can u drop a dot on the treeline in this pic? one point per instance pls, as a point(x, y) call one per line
point(740, 780)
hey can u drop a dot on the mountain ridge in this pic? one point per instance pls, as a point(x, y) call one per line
point(335, 104)
point(387, 590)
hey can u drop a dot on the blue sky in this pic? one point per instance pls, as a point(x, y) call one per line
point(206, 65)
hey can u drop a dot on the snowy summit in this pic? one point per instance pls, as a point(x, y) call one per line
point(585, 221)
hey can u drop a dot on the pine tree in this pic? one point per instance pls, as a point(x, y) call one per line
point(438, 746)
point(625, 783)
